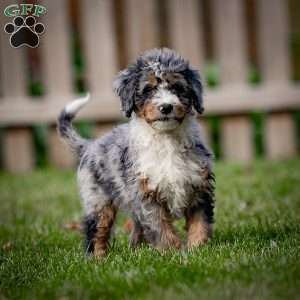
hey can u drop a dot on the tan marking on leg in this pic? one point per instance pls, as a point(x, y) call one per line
point(106, 221)
point(199, 230)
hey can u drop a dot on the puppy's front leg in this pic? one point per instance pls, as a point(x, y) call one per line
point(98, 229)
point(158, 229)
point(199, 218)
point(199, 229)
point(168, 235)
point(155, 220)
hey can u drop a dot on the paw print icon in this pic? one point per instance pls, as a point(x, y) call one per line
point(24, 32)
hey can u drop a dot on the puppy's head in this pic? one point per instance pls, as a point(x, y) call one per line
point(161, 88)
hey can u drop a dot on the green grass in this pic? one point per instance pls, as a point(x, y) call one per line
point(255, 252)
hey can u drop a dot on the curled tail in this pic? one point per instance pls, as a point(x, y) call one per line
point(64, 126)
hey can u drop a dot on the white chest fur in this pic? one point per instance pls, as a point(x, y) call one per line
point(168, 163)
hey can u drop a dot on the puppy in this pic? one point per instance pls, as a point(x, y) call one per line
point(156, 166)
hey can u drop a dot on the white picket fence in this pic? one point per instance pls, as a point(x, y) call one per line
point(233, 100)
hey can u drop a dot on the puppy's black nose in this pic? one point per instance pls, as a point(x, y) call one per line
point(166, 108)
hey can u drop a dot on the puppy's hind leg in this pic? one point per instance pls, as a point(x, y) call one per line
point(98, 230)
point(106, 220)
point(99, 207)
point(158, 229)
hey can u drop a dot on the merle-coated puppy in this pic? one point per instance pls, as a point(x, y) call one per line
point(156, 166)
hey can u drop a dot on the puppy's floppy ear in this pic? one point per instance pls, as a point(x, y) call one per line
point(125, 87)
point(193, 78)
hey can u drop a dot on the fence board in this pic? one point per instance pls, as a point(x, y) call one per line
point(99, 39)
point(34, 112)
point(55, 49)
point(18, 153)
point(273, 40)
point(274, 60)
point(13, 65)
point(233, 100)
point(230, 41)
point(17, 142)
point(60, 154)
point(236, 138)
point(230, 48)
point(56, 54)
point(280, 136)
point(141, 26)
point(185, 29)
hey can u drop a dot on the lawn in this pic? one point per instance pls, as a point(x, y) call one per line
point(255, 252)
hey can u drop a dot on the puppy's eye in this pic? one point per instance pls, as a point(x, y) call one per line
point(147, 89)
point(179, 88)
